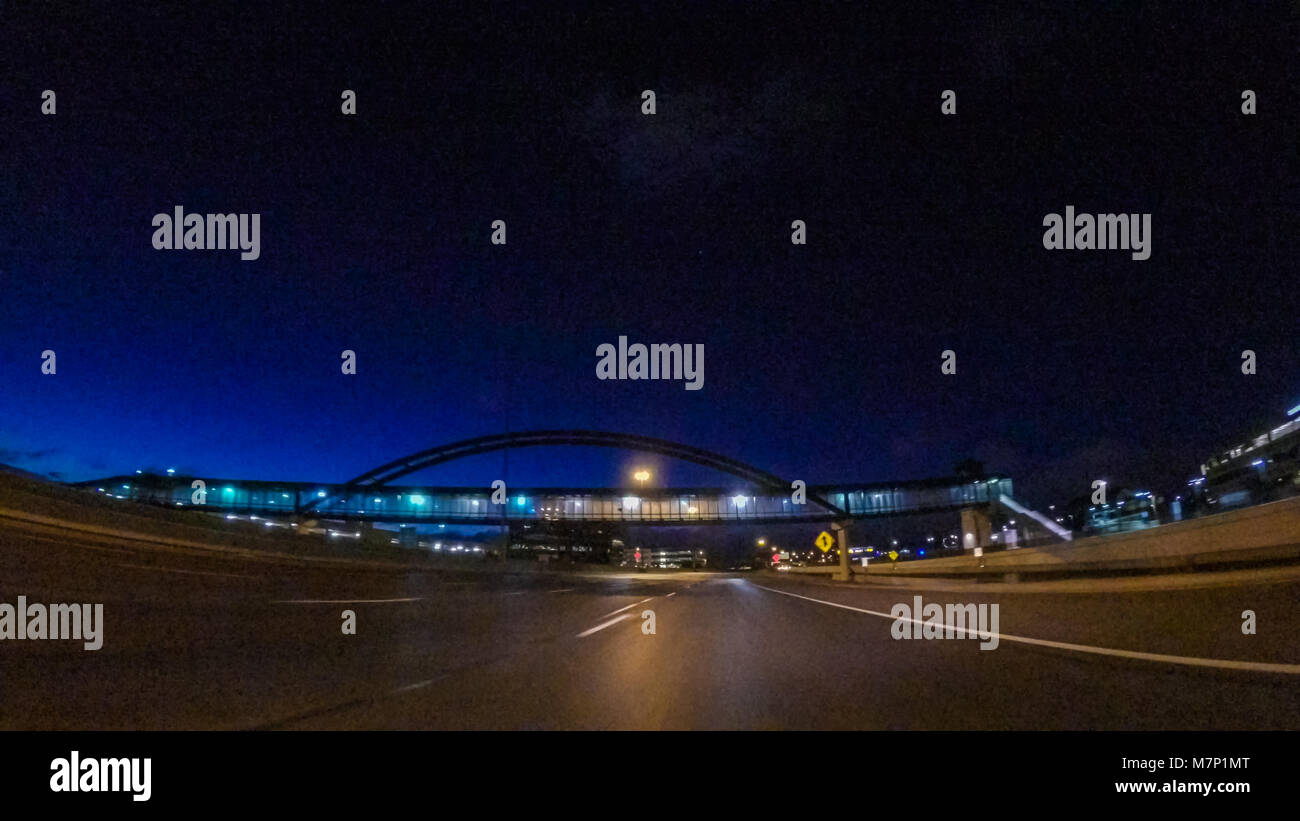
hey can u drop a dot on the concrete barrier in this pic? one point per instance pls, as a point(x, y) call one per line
point(1268, 532)
point(814, 570)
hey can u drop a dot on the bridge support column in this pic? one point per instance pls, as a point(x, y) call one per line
point(976, 528)
point(841, 530)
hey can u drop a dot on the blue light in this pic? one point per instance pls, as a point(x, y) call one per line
point(1293, 411)
point(521, 501)
point(320, 494)
point(230, 490)
point(922, 552)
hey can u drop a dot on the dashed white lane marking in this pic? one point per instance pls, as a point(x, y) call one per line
point(629, 607)
point(409, 687)
point(603, 625)
point(562, 590)
point(669, 596)
point(342, 601)
point(188, 572)
point(1192, 661)
point(517, 593)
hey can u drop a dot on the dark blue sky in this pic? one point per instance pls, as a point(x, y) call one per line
point(822, 361)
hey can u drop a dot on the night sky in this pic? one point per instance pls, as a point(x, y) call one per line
point(821, 361)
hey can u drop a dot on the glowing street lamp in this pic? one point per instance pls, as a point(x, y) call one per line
point(642, 476)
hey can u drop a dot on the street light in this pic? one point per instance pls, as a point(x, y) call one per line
point(642, 476)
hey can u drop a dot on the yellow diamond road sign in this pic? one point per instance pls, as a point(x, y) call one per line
point(824, 541)
point(893, 555)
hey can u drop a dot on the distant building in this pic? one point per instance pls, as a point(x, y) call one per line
point(1260, 467)
point(668, 558)
point(1126, 510)
point(678, 557)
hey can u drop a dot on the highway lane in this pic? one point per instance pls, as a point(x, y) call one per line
point(729, 654)
point(205, 641)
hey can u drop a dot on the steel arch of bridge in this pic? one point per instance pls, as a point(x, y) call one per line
point(385, 473)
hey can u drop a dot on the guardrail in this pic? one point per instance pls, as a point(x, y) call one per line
point(1265, 533)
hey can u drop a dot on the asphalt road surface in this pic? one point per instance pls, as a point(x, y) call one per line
point(194, 641)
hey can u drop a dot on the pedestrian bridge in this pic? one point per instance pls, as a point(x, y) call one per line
point(755, 497)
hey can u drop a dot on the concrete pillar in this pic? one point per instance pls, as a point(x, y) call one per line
point(841, 530)
point(976, 528)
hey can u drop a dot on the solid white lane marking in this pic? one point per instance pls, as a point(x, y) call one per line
point(341, 601)
point(188, 572)
point(603, 625)
point(1192, 661)
point(629, 607)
